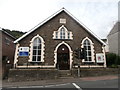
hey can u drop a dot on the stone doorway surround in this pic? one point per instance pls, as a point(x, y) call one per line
point(63, 61)
point(70, 54)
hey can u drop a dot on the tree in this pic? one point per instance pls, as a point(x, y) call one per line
point(15, 33)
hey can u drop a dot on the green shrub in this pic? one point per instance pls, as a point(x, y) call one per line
point(112, 60)
point(113, 66)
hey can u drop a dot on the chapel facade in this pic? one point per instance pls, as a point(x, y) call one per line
point(51, 44)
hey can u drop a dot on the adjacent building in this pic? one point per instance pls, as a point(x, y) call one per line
point(106, 46)
point(51, 44)
point(114, 39)
point(7, 48)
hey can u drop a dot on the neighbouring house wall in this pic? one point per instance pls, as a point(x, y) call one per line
point(119, 42)
point(0, 56)
point(0, 46)
point(113, 43)
point(114, 39)
point(8, 48)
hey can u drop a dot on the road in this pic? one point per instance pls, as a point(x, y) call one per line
point(81, 85)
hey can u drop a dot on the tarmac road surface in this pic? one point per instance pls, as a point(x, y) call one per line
point(111, 84)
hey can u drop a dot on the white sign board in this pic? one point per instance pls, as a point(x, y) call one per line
point(100, 58)
point(23, 49)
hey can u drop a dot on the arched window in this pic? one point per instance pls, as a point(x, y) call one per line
point(87, 46)
point(62, 33)
point(36, 50)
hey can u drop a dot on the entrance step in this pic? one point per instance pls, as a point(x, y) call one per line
point(65, 73)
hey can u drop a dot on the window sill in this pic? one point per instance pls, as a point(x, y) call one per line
point(88, 62)
point(62, 39)
point(35, 61)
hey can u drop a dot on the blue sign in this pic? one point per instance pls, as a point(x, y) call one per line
point(23, 54)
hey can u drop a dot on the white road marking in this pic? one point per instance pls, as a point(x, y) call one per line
point(57, 85)
point(62, 84)
point(42, 86)
point(78, 87)
point(49, 86)
point(31, 87)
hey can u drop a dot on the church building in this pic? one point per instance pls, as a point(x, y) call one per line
point(51, 45)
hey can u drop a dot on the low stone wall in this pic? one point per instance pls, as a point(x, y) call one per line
point(46, 74)
point(85, 72)
point(32, 74)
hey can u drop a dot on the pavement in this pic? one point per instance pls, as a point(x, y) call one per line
point(63, 80)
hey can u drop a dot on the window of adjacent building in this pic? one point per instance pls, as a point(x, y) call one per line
point(62, 33)
point(87, 47)
point(7, 41)
point(36, 50)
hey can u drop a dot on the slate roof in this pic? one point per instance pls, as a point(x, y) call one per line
point(115, 29)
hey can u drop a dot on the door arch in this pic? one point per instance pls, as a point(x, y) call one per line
point(63, 58)
point(70, 53)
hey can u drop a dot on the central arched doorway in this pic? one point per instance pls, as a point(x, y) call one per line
point(63, 58)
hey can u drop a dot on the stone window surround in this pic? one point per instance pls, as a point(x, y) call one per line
point(103, 50)
point(16, 55)
point(66, 33)
point(42, 48)
point(92, 49)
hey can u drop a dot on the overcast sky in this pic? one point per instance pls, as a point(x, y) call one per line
point(98, 15)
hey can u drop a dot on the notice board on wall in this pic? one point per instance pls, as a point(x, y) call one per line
point(100, 58)
point(23, 51)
